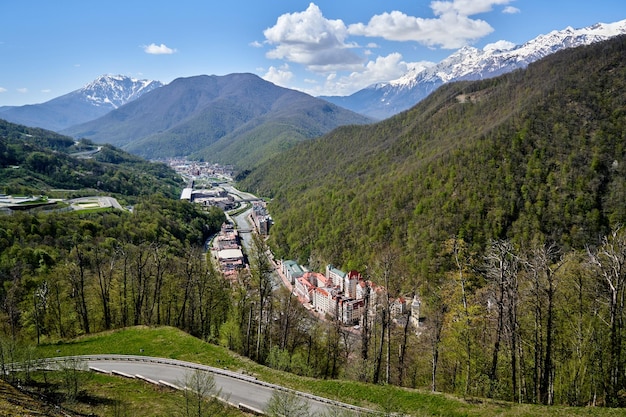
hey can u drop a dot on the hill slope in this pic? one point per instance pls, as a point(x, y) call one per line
point(535, 154)
point(36, 161)
point(95, 99)
point(221, 118)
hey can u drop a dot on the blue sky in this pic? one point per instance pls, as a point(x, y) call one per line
point(323, 47)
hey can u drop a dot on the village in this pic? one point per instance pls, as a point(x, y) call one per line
point(347, 297)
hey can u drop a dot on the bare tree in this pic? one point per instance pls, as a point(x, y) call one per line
point(502, 267)
point(458, 249)
point(78, 274)
point(386, 271)
point(104, 261)
point(261, 277)
point(73, 373)
point(403, 347)
point(201, 395)
point(287, 404)
point(609, 263)
point(542, 264)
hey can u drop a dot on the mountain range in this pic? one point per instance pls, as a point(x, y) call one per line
point(216, 118)
point(536, 155)
point(383, 100)
point(106, 93)
point(242, 120)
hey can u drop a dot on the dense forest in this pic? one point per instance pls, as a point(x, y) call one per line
point(76, 273)
point(536, 154)
point(38, 161)
point(501, 202)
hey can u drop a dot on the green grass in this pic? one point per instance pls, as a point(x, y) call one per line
point(104, 395)
point(167, 342)
point(172, 343)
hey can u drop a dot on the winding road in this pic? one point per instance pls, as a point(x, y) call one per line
point(239, 390)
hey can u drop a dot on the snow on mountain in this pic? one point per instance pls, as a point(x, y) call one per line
point(473, 63)
point(469, 63)
point(116, 90)
point(94, 100)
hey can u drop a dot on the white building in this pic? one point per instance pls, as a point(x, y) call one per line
point(335, 276)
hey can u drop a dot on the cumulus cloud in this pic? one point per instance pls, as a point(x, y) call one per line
point(326, 47)
point(155, 49)
point(465, 7)
point(22, 90)
point(382, 69)
point(451, 28)
point(3, 90)
point(511, 10)
point(279, 76)
point(499, 46)
point(308, 38)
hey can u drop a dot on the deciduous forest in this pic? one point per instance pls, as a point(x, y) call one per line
point(499, 203)
point(504, 201)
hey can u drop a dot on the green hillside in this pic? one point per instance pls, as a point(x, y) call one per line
point(499, 203)
point(38, 161)
point(533, 155)
point(237, 119)
point(172, 343)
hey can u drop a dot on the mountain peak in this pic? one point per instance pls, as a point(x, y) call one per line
point(469, 63)
point(100, 96)
point(116, 90)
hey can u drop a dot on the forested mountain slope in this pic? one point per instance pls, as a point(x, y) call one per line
point(237, 119)
point(36, 161)
point(534, 155)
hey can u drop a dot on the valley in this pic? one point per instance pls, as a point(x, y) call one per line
point(467, 252)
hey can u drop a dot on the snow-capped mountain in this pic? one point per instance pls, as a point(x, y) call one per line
point(114, 91)
point(383, 100)
point(94, 100)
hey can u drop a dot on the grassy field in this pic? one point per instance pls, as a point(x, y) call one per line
point(172, 343)
point(100, 395)
point(15, 403)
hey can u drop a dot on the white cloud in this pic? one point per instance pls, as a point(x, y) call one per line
point(279, 76)
point(22, 90)
point(382, 69)
point(323, 46)
point(46, 91)
point(308, 38)
point(465, 7)
point(155, 49)
point(500, 45)
point(3, 90)
point(451, 28)
point(256, 44)
point(511, 10)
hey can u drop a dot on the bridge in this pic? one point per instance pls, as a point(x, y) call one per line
point(249, 200)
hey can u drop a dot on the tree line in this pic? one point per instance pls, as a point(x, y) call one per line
point(530, 324)
point(527, 176)
point(76, 273)
point(533, 323)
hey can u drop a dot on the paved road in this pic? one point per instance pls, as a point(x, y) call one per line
point(235, 388)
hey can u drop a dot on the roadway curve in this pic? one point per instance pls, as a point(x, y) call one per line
point(235, 388)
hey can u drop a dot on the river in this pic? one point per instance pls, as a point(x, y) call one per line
point(242, 220)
